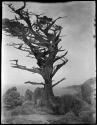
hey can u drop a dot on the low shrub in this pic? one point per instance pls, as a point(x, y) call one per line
point(15, 120)
point(86, 91)
point(70, 117)
point(12, 98)
point(45, 109)
point(25, 109)
point(71, 103)
point(28, 95)
point(86, 116)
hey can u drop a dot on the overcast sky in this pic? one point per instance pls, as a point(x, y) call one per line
point(79, 29)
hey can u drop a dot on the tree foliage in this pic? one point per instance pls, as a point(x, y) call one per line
point(86, 92)
point(41, 38)
point(12, 98)
point(28, 95)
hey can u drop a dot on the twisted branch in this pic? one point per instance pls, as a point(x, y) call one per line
point(59, 57)
point(59, 66)
point(58, 82)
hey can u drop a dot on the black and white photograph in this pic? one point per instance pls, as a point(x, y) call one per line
point(48, 64)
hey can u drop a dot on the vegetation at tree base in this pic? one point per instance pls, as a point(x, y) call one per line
point(70, 109)
point(38, 93)
point(25, 109)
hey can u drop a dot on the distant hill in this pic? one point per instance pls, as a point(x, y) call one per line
point(74, 89)
point(58, 91)
point(90, 81)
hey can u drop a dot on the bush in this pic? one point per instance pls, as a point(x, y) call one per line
point(22, 98)
point(68, 118)
point(71, 103)
point(28, 95)
point(38, 93)
point(12, 98)
point(25, 109)
point(86, 92)
point(44, 110)
point(66, 103)
point(86, 116)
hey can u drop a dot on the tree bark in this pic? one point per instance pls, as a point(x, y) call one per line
point(49, 98)
point(48, 88)
point(48, 95)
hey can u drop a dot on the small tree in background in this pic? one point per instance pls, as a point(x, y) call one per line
point(86, 92)
point(41, 40)
point(12, 98)
point(28, 95)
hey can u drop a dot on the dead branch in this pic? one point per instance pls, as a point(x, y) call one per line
point(59, 66)
point(34, 83)
point(33, 70)
point(30, 56)
point(58, 82)
point(16, 60)
point(59, 57)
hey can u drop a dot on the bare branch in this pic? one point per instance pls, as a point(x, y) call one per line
point(59, 50)
point(18, 10)
point(16, 60)
point(34, 70)
point(59, 57)
point(59, 66)
point(30, 56)
point(34, 83)
point(58, 82)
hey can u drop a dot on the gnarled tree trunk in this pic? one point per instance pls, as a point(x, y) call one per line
point(48, 95)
